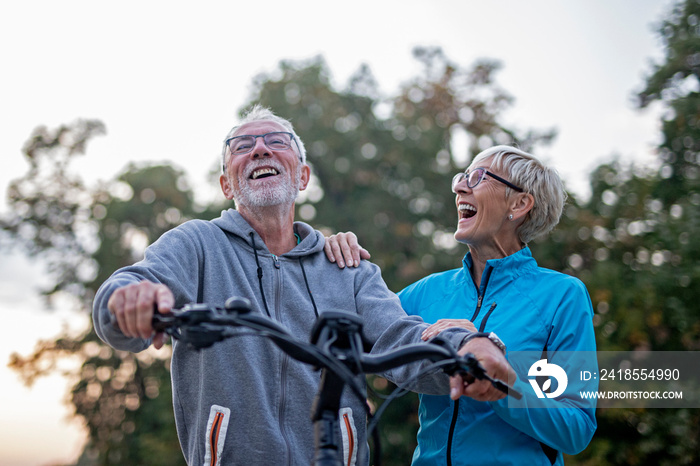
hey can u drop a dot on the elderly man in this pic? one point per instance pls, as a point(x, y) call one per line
point(243, 401)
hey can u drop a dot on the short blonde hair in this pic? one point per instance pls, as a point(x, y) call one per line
point(542, 182)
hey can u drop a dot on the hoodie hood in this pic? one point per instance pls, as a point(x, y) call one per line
point(231, 221)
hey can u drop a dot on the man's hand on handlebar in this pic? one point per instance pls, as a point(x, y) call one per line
point(495, 365)
point(343, 248)
point(133, 306)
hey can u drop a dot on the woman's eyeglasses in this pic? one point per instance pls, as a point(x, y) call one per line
point(475, 176)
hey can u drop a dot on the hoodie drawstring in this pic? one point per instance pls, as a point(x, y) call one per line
point(260, 275)
point(308, 289)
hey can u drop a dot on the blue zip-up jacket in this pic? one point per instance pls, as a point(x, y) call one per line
point(531, 309)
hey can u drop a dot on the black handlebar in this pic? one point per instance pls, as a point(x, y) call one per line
point(202, 325)
point(336, 345)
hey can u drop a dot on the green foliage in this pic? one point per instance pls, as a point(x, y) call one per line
point(83, 235)
point(676, 83)
point(639, 260)
point(50, 205)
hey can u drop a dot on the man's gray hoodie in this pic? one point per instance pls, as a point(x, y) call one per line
point(243, 401)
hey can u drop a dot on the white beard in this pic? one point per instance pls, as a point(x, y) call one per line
point(267, 194)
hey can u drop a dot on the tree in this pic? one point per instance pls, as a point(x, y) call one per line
point(84, 234)
point(638, 259)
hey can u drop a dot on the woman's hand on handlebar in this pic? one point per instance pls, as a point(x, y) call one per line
point(495, 365)
point(133, 306)
point(443, 324)
point(343, 248)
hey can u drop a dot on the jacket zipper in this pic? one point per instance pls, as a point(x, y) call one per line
point(482, 326)
point(455, 410)
point(351, 438)
point(482, 292)
point(455, 414)
point(214, 439)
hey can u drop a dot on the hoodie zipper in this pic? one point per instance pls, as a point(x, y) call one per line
point(455, 410)
point(285, 361)
point(277, 279)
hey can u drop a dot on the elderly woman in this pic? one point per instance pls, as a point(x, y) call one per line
point(503, 200)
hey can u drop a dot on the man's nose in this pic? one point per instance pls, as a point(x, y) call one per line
point(259, 149)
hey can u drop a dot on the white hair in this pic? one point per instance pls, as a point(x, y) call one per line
point(260, 113)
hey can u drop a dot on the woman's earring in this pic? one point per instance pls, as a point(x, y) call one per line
point(510, 217)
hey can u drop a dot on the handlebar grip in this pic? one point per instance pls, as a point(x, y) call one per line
point(161, 322)
point(508, 390)
point(471, 370)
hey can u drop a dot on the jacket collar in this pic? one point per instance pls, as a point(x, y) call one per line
point(515, 262)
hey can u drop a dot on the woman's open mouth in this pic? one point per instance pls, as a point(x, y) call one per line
point(466, 211)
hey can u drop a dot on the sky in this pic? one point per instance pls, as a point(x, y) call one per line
point(168, 78)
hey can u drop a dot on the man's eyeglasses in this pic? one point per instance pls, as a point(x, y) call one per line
point(475, 176)
point(278, 140)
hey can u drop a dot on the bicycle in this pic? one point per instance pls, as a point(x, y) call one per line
point(336, 347)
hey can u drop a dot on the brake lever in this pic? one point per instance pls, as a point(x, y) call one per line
point(470, 369)
point(164, 322)
point(194, 324)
